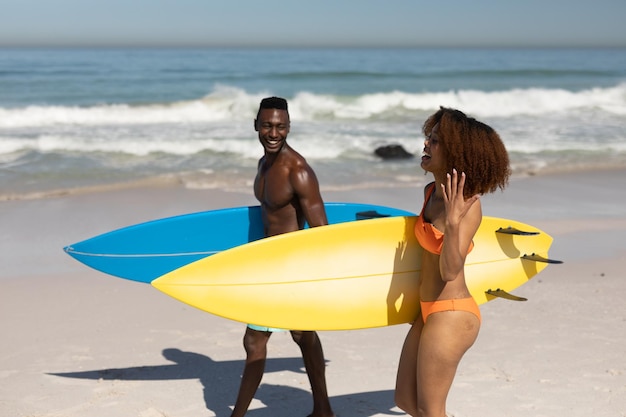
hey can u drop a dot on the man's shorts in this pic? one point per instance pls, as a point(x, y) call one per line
point(265, 329)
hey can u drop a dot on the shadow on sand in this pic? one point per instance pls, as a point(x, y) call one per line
point(220, 386)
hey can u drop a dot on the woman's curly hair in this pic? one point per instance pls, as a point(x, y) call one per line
point(471, 147)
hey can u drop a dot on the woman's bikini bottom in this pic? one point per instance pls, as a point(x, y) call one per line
point(459, 304)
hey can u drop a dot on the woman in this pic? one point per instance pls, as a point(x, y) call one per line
point(467, 159)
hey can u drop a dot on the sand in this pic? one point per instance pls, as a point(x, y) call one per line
point(76, 342)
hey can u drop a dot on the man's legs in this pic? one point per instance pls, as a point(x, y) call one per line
point(315, 366)
point(255, 344)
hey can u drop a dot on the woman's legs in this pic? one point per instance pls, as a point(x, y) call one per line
point(445, 339)
point(429, 360)
point(406, 380)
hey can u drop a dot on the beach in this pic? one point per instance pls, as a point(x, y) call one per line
point(77, 342)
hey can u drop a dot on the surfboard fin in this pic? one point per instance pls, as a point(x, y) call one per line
point(513, 231)
point(539, 258)
point(370, 214)
point(503, 294)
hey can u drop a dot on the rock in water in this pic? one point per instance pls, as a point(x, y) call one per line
point(393, 152)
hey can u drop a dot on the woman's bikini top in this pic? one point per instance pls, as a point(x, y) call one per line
point(429, 237)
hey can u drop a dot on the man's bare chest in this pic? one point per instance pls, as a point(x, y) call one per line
point(273, 189)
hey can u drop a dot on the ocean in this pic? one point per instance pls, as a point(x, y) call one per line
point(91, 119)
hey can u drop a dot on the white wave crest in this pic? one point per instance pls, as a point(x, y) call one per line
point(136, 146)
point(228, 103)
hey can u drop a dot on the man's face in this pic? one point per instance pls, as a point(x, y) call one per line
point(273, 128)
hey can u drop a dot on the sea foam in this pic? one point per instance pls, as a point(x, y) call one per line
point(232, 104)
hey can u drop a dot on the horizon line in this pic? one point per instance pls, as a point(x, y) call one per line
point(165, 45)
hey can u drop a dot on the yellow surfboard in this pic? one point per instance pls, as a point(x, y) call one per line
point(348, 276)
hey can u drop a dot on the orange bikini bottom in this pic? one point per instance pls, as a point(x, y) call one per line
point(460, 304)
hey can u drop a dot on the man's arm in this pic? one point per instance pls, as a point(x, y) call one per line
point(307, 191)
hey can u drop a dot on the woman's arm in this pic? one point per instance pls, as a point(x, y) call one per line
point(463, 218)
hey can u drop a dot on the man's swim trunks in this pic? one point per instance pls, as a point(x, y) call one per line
point(265, 329)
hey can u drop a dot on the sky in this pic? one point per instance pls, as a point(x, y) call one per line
point(319, 23)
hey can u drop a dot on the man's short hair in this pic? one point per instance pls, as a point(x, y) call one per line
point(273, 103)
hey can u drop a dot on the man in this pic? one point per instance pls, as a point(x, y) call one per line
point(288, 191)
